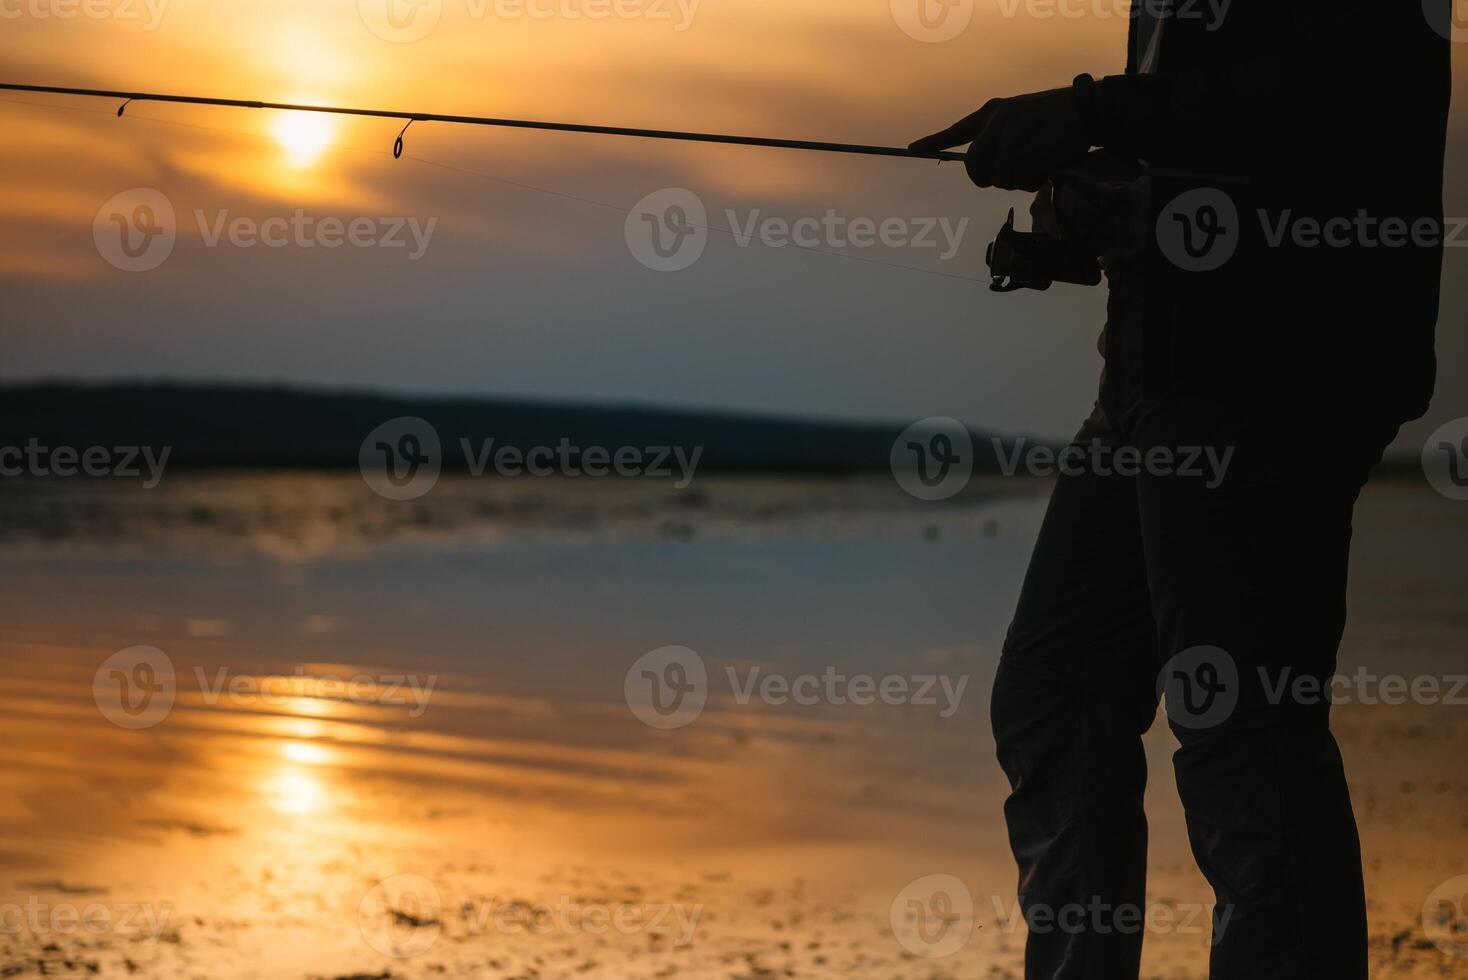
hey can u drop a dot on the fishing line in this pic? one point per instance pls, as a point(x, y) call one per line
point(397, 153)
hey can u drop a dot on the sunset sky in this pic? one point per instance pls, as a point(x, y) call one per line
point(527, 285)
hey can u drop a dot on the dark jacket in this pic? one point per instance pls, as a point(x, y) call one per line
point(1329, 110)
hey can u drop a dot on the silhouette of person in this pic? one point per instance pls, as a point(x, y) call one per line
point(1291, 365)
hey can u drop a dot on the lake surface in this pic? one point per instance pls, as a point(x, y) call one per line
point(271, 725)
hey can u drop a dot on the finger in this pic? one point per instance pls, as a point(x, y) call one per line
point(1076, 211)
point(982, 153)
point(931, 144)
point(959, 133)
point(1015, 170)
point(1006, 168)
point(1018, 162)
point(1042, 211)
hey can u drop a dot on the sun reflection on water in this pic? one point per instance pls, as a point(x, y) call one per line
point(296, 791)
point(305, 753)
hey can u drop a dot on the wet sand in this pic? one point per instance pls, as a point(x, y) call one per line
point(489, 806)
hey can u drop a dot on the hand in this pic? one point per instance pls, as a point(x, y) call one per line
point(1093, 216)
point(1017, 142)
point(1043, 214)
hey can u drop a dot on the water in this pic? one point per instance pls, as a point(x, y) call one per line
point(400, 740)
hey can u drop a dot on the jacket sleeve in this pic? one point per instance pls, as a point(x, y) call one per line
point(1318, 77)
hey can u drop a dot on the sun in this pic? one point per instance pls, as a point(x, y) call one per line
point(303, 135)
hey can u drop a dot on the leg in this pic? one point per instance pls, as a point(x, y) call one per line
point(1256, 567)
point(1074, 693)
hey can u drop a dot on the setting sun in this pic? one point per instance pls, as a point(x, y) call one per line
point(303, 136)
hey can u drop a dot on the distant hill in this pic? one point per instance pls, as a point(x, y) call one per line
point(260, 425)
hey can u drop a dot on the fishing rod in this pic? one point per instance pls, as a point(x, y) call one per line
point(561, 127)
point(1016, 260)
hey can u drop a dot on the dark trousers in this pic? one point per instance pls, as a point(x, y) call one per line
point(1216, 589)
